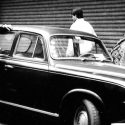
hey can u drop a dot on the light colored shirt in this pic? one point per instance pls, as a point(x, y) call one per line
point(86, 46)
point(82, 25)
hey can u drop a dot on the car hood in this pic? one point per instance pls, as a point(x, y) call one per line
point(96, 70)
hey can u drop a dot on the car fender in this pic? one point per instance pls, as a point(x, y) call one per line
point(77, 95)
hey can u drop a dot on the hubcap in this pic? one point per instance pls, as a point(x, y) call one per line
point(81, 118)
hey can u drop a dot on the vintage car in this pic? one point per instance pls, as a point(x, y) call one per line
point(39, 75)
point(118, 52)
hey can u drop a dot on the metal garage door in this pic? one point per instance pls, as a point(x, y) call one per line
point(106, 16)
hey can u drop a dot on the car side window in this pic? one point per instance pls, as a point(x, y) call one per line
point(6, 40)
point(30, 46)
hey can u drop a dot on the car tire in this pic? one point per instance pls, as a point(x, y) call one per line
point(86, 114)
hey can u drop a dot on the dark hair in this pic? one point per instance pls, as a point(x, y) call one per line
point(78, 12)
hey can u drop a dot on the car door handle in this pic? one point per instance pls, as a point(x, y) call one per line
point(9, 66)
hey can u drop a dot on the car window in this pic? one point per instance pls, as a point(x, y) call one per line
point(76, 46)
point(6, 41)
point(30, 46)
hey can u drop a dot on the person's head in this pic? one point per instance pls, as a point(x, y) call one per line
point(77, 13)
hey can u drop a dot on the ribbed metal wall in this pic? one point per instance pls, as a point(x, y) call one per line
point(106, 16)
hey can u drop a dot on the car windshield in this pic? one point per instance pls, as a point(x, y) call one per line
point(77, 47)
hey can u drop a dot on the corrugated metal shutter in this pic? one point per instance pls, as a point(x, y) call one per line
point(106, 16)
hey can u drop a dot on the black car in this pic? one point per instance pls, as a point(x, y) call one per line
point(38, 76)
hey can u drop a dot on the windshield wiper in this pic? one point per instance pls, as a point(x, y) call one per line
point(87, 59)
point(106, 60)
point(95, 60)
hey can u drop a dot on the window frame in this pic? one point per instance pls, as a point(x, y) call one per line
point(40, 37)
point(12, 42)
point(97, 42)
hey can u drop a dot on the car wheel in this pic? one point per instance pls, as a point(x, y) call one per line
point(86, 114)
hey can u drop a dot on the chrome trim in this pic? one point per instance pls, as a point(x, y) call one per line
point(30, 108)
point(29, 64)
point(89, 70)
point(86, 73)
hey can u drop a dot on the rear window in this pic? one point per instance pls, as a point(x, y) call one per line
point(6, 41)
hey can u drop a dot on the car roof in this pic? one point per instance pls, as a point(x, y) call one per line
point(50, 30)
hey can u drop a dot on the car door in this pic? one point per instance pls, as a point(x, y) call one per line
point(27, 72)
point(6, 41)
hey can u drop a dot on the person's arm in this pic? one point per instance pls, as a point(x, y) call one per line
point(70, 51)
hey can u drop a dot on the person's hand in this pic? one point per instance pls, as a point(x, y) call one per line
point(8, 27)
point(5, 28)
